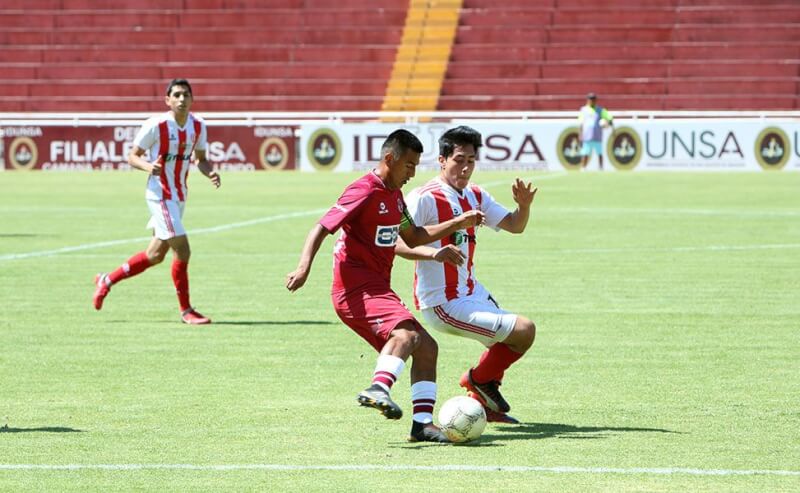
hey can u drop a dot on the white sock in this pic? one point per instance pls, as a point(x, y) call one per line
point(423, 397)
point(387, 370)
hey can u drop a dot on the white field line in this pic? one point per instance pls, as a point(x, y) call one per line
point(675, 211)
point(215, 229)
point(391, 468)
point(706, 248)
point(266, 219)
point(533, 179)
point(143, 239)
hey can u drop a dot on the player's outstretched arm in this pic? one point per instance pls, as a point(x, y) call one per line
point(450, 254)
point(422, 235)
point(205, 167)
point(523, 194)
point(296, 278)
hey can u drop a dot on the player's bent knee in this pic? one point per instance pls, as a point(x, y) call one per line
point(156, 258)
point(427, 348)
point(523, 335)
point(530, 330)
point(406, 338)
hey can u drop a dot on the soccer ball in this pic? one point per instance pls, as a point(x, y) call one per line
point(462, 419)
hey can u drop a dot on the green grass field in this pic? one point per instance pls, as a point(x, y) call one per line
point(667, 355)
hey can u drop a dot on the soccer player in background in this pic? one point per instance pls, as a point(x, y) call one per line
point(372, 214)
point(450, 297)
point(592, 119)
point(171, 139)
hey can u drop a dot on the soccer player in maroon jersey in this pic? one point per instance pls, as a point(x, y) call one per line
point(171, 138)
point(372, 214)
point(450, 297)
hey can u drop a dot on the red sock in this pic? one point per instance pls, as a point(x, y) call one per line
point(135, 265)
point(494, 363)
point(180, 276)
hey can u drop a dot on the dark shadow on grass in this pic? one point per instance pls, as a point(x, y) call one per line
point(495, 434)
point(43, 429)
point(272, 322)
point(229, 322)
point(424, 445)
point(20, 235)
point(537, 431)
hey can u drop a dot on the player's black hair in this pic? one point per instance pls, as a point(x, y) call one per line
point(399, 141)
point(178, 82)
point(459, 136)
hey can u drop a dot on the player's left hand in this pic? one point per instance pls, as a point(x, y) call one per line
point(522, 193)
point(215, 179)
point(450, 254)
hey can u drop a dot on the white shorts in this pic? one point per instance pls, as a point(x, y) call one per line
point(475, 317)
point(165, 218)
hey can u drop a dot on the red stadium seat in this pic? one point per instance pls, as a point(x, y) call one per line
point(335, 55)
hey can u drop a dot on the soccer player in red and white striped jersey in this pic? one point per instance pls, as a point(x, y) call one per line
point(450, 297)
point(171, 139)
point(372, 216)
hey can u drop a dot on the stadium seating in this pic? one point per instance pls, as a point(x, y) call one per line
point(334, 55)
point(291, 55)
point(637, 54)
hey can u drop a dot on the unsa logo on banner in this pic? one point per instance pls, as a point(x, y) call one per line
point(23, 153)
point(568, 148)
point(324, 149)
point(624, 148)
point(772, 148)
point(274, 153)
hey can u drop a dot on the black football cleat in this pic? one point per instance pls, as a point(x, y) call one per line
point(375, 396)
point(488, 392)
point(426, 433)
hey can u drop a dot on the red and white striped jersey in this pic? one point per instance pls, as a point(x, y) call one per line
point(173, 146)
point(435, 202)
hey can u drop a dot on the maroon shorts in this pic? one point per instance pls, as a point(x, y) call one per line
point(372, 311)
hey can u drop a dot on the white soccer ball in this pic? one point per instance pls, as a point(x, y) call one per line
point(462, 419)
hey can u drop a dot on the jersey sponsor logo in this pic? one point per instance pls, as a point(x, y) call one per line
point(386, 236)
point(173, 157)
point(383, 209)
point(460, 237)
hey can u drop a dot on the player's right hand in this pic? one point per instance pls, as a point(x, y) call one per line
point(156, 167)
point(470, 219)
point(450, 254)
point(296, 279)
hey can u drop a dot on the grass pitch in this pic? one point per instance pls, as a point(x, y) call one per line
point(666, 357)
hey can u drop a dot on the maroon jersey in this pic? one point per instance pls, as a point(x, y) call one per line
point(371, 217)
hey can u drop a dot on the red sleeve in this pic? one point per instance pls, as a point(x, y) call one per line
point(347, 207)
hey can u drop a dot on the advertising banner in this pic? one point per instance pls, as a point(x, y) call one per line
point(632, 145)
point(105, 148)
